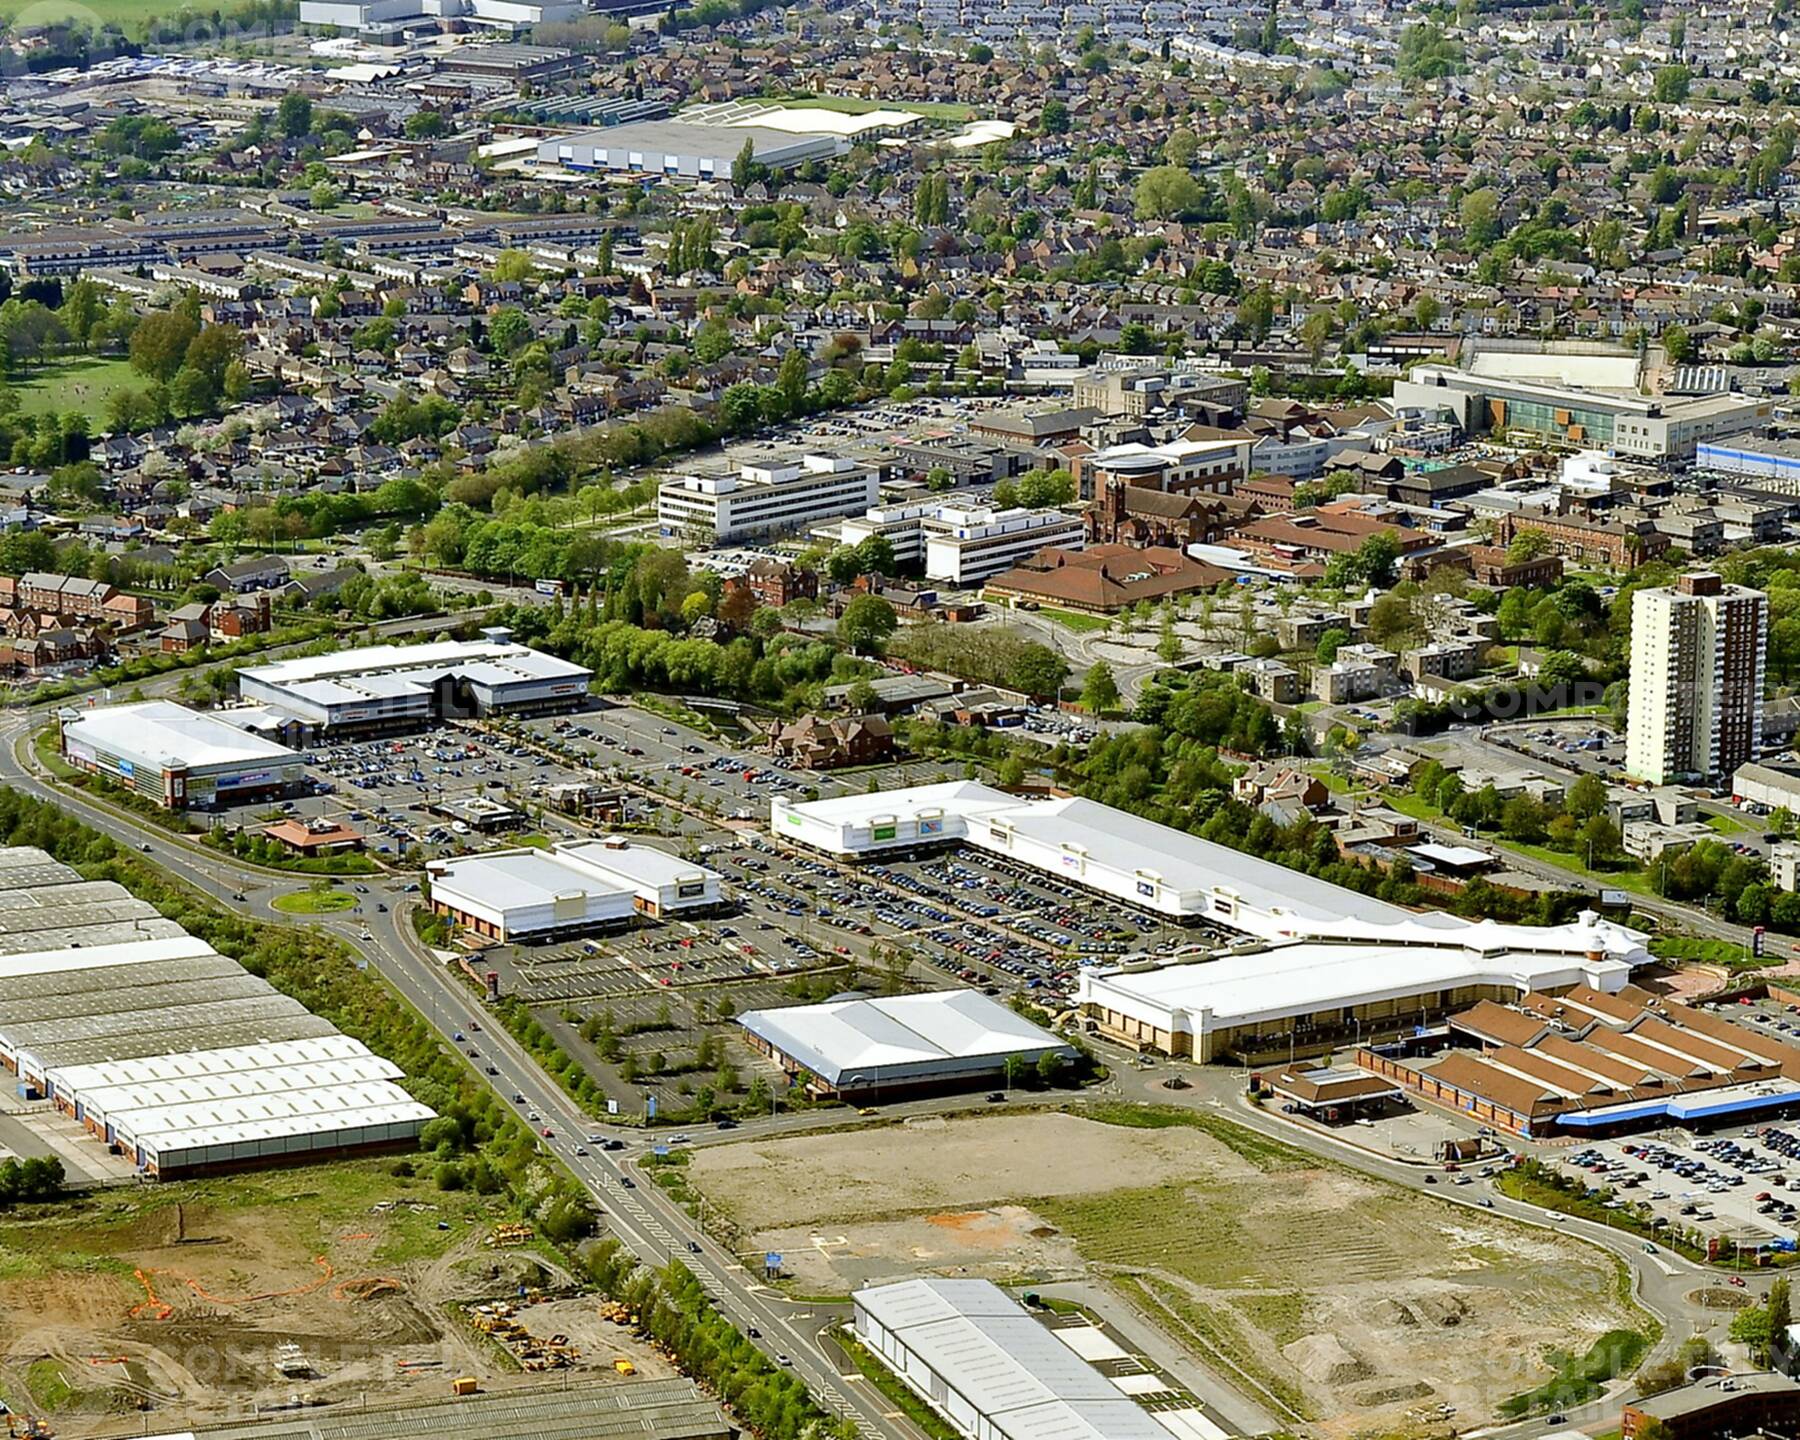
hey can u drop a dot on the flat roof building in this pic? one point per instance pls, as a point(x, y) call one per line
point(177, 757)
point(1336, 961)
point(391, 687)
point(765, 499)
point(940, 1040)
point(1589, 1062)
point(1576, 394)
point(981, 1361)
point(576, 887)
point(681, 150)
point(172, 1054)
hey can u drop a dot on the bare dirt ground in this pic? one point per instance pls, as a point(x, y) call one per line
point(1344, 1302)
point(140, 1305)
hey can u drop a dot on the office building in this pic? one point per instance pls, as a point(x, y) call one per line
point(1698, 649)
point(766, 498)
point(962, 544)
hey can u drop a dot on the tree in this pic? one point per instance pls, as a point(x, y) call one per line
point(1677, 344)
point(294, 116)
point(1256, 313)
point(160, 343)
point(1055, 120)
point(1479, 214)
point(1164, 192)
point(1100, 691)
point(1586, 797)
point(508, 331)
point(866, 622)
point(1330, 643)
point(1672, 84)
point(1599, 841)
point(1046, 489)
point(1038, 671)
point(425, 125)
point(743, 168)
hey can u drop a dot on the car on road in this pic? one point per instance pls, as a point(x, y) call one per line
point(547, 1133)
point(693, 1247)
point(996, 1097)
point(628, 1182)
point(783, 1360)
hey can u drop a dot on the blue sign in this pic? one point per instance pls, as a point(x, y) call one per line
point(659, 1149)
point(650, 1106)
point(772, 1260)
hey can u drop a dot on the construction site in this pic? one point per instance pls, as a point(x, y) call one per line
point(305, 1293)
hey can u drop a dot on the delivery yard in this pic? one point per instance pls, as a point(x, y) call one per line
point(1213, 1229)
point(179, 1298)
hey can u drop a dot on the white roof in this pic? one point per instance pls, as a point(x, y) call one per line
point(1026, 1384)
point(1303, 978)
point(815, 120)
point(849, 1042)
point(1449, 854)
point(631, 861)
point(963, 797)
point(360, 666)
point(1127, 842)
point(513, 879)
point(130, 952)
point(171, 734)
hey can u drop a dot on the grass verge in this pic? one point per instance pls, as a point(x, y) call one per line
point(901, 1395)
point(1580, 1378)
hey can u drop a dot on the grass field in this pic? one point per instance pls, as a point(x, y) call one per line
point(80, 382)
point(128, 14)
point(843, 105)
point(315, 902)
point(1075, 620)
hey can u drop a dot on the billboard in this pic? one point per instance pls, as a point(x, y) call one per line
point(884, 831)
point(932, 825)
point(689, 889)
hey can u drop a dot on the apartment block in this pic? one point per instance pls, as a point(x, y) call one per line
point(1698, 650)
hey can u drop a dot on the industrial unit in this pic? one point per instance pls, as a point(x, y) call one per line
point(982, 1362)
point(1586, 1062)
point(178, 757)
point(168, 1052)
point(682, 150)
point(576, 887)
point(862, 1048)
point(610, 1409)
point(382, 688)
point(1334, 964)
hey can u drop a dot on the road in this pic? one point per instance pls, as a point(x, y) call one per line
point(657, 1230)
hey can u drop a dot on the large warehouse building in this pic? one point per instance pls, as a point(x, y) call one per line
point(864, 1048)
point(168, 1052)
point(574, 888)
point(683, 150)
point(178, 757)
point(1307, 996)
point(397, 687)
point(1335, 964)
point(1585, 1062)
point(981, 1361)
